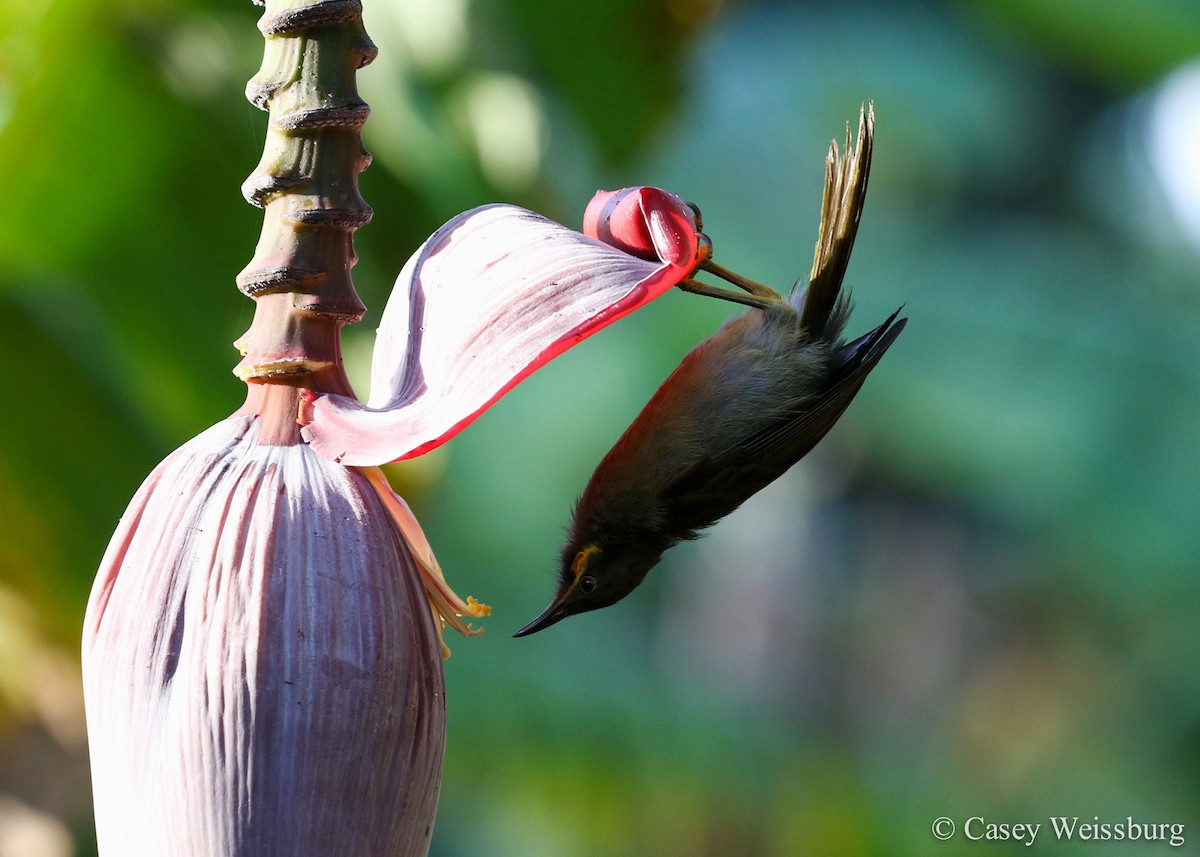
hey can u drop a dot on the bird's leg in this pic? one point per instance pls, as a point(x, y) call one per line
point(756, 289)
point(698, 288)
point(752, 294)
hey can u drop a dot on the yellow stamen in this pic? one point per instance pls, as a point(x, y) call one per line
point(446, 605)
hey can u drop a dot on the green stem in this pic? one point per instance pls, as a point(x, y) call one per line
point(307, 184)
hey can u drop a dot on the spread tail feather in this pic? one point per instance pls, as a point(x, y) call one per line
point(824, 308)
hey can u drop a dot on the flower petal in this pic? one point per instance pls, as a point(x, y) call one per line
point(491, 296)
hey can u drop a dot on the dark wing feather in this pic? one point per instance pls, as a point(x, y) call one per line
point(716, 485)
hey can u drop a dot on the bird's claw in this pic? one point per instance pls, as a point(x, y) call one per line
point(752, 293)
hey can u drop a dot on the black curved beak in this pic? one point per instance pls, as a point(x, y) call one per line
point(554, 613)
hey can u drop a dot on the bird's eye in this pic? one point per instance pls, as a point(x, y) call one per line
point(587, 584)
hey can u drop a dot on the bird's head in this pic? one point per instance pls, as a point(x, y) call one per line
point(591, 577)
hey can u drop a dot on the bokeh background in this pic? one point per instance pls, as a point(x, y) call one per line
point(978, 597)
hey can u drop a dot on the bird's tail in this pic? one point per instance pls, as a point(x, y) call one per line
point(824, 308)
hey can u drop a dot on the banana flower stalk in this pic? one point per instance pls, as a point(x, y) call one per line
point(261, 647)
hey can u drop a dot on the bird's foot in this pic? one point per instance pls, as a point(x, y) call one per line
point(752, 294)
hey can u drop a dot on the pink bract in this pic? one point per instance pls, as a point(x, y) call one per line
point(493, 295)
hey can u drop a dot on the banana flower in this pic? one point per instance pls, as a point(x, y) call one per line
point(261, 669)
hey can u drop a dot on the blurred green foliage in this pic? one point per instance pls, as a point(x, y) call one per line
point(978, 597)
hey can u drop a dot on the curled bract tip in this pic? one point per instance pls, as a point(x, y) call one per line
point(649, 223)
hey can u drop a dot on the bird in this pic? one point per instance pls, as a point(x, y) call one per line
point(741, 408)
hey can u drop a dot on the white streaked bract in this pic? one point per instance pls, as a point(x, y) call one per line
point(260, 663)
point(491, 296)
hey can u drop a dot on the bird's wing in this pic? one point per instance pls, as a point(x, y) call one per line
point(717, 484)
